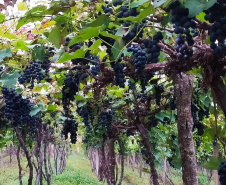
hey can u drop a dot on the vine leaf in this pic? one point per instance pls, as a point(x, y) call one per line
point(37, 108)
point(158, 3)
point(117, 47)
point(39, 52)
point(9, 80)
point(2, 17)
point(86, 34)
point(197, 6)
point(5, 53)
point(68, 56)
point(35, 14)
point(54, 36)
point(138, 3)
point(101, 20)
point(213, 163)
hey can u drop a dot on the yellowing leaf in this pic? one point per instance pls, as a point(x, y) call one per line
point(22, 6)
point(47, 24)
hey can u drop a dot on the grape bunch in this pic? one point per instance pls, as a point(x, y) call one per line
point(125, 11)
point(95, 69)
point(222, 173)
point(31, 73)
point(152, 47)
point(139, 58)
point(144, 79)
point(159, 89)
point(172, 103)
point(135, 33)
point(197, 123)
point(45, 65)
point(70, 126)
point(105, 120)
point(117, 2)
point(17, 109)
point(85, 113)
point(180, 18)
point(70, 88)
point(217, 32)
point(184, 52)
point(107, 8)
point(119, 74)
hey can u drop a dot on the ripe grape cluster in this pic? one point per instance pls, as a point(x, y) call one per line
point(119, 74)
point(159, 89)
point(135, 33)
point(172, 103)
point(17, 109)
point(95, 69)
point(217, 32)
point(70, 88)
point(180, 18)
point(139, 58)
point(152, 47)
point(107, 8)
point(182, 24)
point(70, 126)
point(31, 73)
point(87, 116)
point(144, 79)
point(45, 65)
point(222, 172)
point(105, 120)
point(125, 11)
point(184, 52)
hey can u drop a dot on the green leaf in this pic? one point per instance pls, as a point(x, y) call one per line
point(117, 47)
point(161, 115)
point(55, 36)
point(52, 107)
point(5, 53)
point(86, 34)
point(213, 163)
point(158, 3)
point(197, 6)
point(79, 53)
point(39, 52)
point(9, 80)
point(20, 44)
point(2, 18)
point(101, 20)
point(35, 14)
point(39, 107)
point(79, 97)
point(138, 3)
point(106, 34)
point(144, 13)
point(201, 16)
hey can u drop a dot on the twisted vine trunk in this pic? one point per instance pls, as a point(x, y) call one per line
point(147, 144)
point(183, 87)
point(27, 154)
point(111, 162)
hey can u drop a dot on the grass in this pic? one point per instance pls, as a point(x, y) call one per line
point(78, 172)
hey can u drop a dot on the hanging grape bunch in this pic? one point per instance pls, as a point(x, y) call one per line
point(17, 109)
point(107, 8)
point(105, 120)
point(217, 32)
point(31, 73)
point(152, 48)
point(70, 126)
point(119, 74)
point(222, 173)
point(184, 26)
